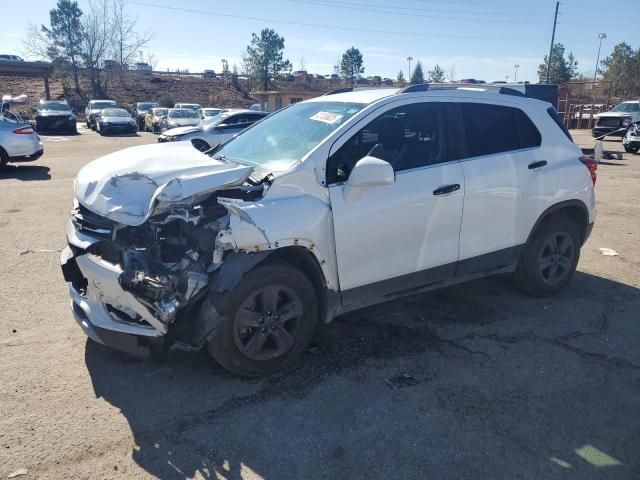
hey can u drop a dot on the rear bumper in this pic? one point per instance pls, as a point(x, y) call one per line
point(28, 158)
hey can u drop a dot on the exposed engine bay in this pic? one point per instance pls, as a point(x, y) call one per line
point(165, 264)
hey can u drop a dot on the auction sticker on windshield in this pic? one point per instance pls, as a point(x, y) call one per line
point(326, 117)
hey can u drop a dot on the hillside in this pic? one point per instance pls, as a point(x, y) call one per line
point(131, 87)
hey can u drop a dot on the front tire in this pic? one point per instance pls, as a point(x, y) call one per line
point(629, 149)
point(268, 319)
point(550, 258)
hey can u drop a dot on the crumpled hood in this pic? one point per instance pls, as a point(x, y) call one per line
point(129, 185)
point(174, 132)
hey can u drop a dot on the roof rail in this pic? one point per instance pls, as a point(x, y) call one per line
point(423, 87)
point(339, 90)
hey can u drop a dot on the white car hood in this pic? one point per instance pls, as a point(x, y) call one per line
point(129, 185)
point(174, 132)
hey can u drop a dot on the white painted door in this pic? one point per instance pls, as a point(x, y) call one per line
point(400, 236)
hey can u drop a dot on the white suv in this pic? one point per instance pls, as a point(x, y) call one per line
point(324, 207)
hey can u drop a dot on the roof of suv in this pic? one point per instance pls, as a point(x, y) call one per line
point(371, 95)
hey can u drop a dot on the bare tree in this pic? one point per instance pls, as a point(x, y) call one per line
point(35, 43)
point(127, 40)
point(97, 39)
point(451, 73)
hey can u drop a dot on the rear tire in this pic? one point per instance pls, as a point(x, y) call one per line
point(550, 258)
point(4, 157)
point(268, 319)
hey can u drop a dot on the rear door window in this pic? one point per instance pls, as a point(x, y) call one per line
point(493, 129)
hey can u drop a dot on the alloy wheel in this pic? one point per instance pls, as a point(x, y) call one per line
point(556, 258)
point(267, 322)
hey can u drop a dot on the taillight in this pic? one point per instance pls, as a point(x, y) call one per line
point(592, 166)
point(23, 131)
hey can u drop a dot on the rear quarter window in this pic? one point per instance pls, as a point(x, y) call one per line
point(558, 121)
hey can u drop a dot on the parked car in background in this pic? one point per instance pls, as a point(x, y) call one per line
point(153, 117)
point(616, 121)
point(191, 106)
point(209, 74)
point(10, 58)
point(179, 117)
point(93, 111)
point(141, 109)
point(215, 130)
point(18, 142)
point(255, 107)
point(327, 206)
point(55, 116)
point(204, 113)
point(587, 111)
point(115, 120)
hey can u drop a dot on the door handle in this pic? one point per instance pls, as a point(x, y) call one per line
point(447, 189)
point(538, 164)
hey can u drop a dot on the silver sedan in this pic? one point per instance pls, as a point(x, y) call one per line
point(18, 142)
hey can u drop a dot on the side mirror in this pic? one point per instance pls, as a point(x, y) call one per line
point(370, 171)
point(367, 172)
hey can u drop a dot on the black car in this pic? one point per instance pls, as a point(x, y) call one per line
point(55, 116)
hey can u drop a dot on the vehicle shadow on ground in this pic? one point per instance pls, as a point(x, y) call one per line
point(611, 164)
point(188, 417)
point(25, 173)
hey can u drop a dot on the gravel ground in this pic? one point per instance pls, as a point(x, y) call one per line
point(506, 386)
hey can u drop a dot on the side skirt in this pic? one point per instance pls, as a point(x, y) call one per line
point(495, 263)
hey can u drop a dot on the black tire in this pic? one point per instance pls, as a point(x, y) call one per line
point(272, 349)
point(629, 149)
point(200, 145)
point(4, 157)
point(555, 247)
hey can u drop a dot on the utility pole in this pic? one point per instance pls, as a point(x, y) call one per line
point(515, 73)
point(553, 39)
point(409, 60)
point(601, 36)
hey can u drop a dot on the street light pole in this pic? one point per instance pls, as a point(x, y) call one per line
point(515, 73)
point(553, 38)
point(409, 60)
point(601, 36)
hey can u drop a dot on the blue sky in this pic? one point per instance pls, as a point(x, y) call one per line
point(482, 39)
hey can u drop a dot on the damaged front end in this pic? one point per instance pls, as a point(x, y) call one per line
point(139, 287)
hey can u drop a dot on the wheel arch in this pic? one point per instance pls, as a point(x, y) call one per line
point(237, 264)
point(575, 210)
